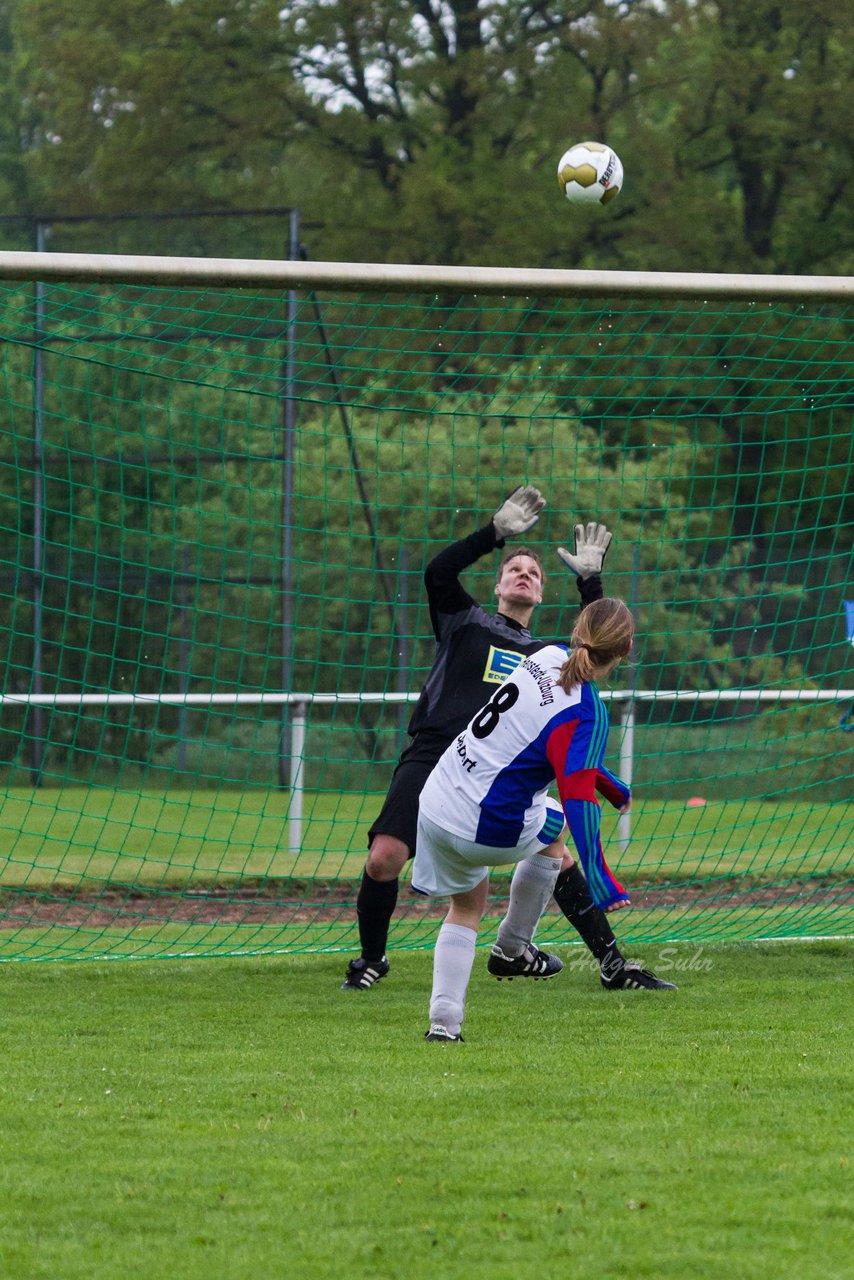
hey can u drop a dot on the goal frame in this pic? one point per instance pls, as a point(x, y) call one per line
point(289, 274)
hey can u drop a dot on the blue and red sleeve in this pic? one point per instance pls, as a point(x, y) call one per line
point(612, 788)
point(583, 818)
point(568, 745)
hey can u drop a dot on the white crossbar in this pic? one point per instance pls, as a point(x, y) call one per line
point(284, 274)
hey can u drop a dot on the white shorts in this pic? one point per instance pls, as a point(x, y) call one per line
point(446, 864)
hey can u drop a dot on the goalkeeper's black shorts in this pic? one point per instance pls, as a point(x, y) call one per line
point(399, 815)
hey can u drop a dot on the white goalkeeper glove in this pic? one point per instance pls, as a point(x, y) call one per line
point(519, 512)
point(591, 544)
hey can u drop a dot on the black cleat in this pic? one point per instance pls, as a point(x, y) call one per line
point(439, 1034)
point(631, 977)
point(362, 974)
point(532, 963)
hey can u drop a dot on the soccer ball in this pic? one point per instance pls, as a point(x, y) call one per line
point(590, 172)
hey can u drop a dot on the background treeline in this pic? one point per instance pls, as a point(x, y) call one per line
point(430, 130)
point(718, 446)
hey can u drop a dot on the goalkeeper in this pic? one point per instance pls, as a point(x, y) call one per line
point(477, 650)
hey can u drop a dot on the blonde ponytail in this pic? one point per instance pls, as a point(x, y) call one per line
point(578, 669)
point(602, 633)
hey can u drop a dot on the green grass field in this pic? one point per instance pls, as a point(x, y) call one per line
point(245, 1118)
point(767, 870)
point(171, 837)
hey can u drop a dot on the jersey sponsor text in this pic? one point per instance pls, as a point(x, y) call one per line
point(545, 682)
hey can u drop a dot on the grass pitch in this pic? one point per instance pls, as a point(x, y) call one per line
point(69, 835)
point(244, 1118)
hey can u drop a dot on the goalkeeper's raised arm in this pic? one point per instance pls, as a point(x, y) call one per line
point(519, 512)
point(591, 545)
point(449, 600)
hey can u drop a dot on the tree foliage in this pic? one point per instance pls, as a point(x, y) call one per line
point(429, 130)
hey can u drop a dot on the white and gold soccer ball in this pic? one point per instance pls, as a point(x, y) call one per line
point(590, 172)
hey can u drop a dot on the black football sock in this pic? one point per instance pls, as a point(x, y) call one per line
point(573, 897)
point(375, 904)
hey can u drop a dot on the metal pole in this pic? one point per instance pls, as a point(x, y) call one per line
point(627, 748)
point(627, 719)
point(404, 657)
point(298, 725)
point(37, 721)
point(184, 655)
point(276, 273)
point(288, 431)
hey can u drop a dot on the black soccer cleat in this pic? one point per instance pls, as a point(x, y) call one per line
point(362, 974)
point(631, 977)
point(532, 963)
point(440, 1034)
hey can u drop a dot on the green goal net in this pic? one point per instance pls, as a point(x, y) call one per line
point(217, 508)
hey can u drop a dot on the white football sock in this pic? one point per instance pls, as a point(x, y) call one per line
point(532, 886)
point(452, 965)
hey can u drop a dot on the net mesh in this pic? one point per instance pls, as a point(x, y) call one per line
point(216, 512)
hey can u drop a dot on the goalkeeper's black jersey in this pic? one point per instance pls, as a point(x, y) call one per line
point(477, 650)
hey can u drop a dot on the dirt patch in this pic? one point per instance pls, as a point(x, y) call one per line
point(325, 902)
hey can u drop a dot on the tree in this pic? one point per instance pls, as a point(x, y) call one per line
point(768, 117)
point(14, 193)
point(429, 130)
point(151, 105)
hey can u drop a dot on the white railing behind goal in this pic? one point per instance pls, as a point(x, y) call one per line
point(302, 702)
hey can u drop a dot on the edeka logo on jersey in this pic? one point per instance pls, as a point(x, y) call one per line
point(500, 664)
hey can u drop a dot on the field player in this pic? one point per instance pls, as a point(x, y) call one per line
point(476, 650)
point(486, 804)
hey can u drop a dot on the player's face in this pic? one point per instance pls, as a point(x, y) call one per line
point(520, 583)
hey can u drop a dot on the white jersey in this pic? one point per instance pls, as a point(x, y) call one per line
point(491, 784)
